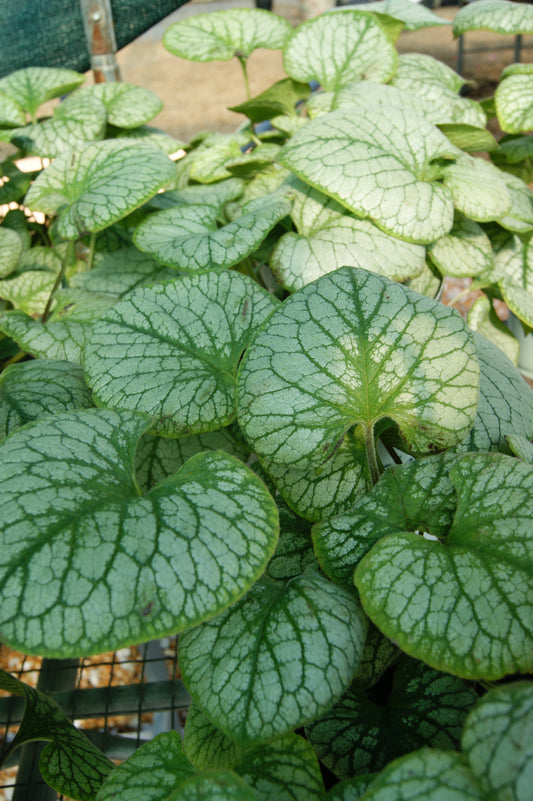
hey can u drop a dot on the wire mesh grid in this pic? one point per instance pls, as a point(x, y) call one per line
point(120, 700)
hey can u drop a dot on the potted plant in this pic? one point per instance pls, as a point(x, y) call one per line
point(209, 362)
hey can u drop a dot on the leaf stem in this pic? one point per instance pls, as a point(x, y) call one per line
point(58, 281)
point(242, 62)
point(371, 454)
point(92, 245)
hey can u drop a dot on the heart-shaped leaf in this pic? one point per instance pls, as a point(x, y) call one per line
point(93, 188)
point(69, 763)
point(11, 113)
point(335, 49)
point(187, 236)
point(221, 35)
point(505, 402)
point(285, 769)
point(348, 350)
point(64, 335)
point(415, 497)
point(127, 106)
point(318, 492)
point(158, 458)
point(32, 86)
point(520, 216)
point(328, 238)
point(153, 772)
point(483, 319)
point(358, 735)
point(413, 16)
point(513, 261)
point(172, 350)
point(478, 188)
point(380, 172)
point(121, 271)
point(514, 98)
point(438, 85)
point(369, 93)
point(479, 624)
point(11, 249)
point(206, 746)
point(428, 774)
point(302, 641)
point(500, 16)
point(39, 388)
point(465, 252)
point(497, 741)
point(79, 118)
point(90, 564)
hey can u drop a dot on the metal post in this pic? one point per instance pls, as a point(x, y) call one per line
point(100, 35)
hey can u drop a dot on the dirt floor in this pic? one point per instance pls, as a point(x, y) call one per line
point(197, 96)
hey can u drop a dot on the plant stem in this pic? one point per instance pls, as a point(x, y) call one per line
point(242, 62)
point(371, 454)
point(90, 258)
point(14, 359)
point(57, 282)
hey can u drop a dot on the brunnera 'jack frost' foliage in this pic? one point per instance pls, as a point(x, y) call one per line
point(231, 407)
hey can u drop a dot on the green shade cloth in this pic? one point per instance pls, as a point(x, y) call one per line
point(50, 33)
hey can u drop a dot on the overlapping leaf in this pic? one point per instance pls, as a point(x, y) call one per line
point(127, 106)
point(514, 98)
point(416, 497)
point(498, 741)
point(79, 118)
point(505, 402)
point(380, 169)
point(89, 564)
point(39, 388)
point(277, 658)
point(187, 237)
point(69, 763)
point(500, 16)
point(478, 188)
point(92, 188)
point(358, 735)
point(157, 458)
point(152, 773)
point(285, 769)
point(335, 49)
point(476, 619)
point(32, 86)
point(11, 248)
point(327, 238)
point(465, 252)
point(438, 85)
point(414, 16)
point(172, 350)
point(224, 34)
point(346, 351)
point(64, 334)
point(121, 271)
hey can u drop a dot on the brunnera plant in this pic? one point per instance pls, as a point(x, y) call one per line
point(232, 407)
